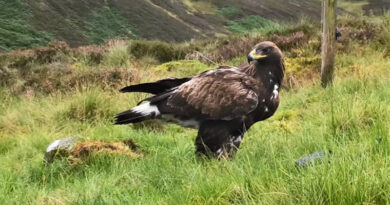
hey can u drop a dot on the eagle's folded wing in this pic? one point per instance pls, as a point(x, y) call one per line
point(219, 94)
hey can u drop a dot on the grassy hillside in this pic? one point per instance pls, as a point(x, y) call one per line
point(55, 91)
point(15, 32)
point(29, 23)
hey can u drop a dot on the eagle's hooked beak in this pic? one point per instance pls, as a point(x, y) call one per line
point(254, 56)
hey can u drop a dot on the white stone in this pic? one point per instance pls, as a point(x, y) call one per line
point(60, 146)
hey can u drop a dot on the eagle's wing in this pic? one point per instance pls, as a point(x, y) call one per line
point(218, 94)
point(161, 86)
point(156, 87)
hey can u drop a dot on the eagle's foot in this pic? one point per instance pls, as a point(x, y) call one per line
point(217, 149)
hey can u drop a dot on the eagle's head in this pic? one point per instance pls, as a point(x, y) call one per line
point(265, 51)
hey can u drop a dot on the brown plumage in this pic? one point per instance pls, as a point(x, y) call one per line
point(222, 103)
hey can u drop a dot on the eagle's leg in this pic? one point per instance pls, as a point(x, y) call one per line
point(218, 139)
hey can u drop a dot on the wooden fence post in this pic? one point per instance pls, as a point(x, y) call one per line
point(328, 41)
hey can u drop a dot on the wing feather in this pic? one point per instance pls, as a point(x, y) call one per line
point(220, 94)
point(155, 87)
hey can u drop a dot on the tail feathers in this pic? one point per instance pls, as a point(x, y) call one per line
point(128, 117)
point(137, 114)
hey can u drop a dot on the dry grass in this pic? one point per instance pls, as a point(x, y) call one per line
point(83, 150)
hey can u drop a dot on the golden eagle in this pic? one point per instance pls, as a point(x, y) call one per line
point(222, 103)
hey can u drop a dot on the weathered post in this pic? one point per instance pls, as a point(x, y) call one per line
point(328, 41)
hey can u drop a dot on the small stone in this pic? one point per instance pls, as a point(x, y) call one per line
point(311, 159)
point(60, 148)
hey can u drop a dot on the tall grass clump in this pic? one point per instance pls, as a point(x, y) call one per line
point(162, 51)
point(117, 56)
point(92, 106)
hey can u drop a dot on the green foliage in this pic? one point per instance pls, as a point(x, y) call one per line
point(384, 34)
point(183, 68)
point(117, 56)
point(204, 7)
point(377, 7)
point(14, 9)
point(252, 24)
point(91, 106)
point(15, 32)
point(162, 51)
point(8, 77)
point(228, 12)
point(304, 25)
point(107, 23)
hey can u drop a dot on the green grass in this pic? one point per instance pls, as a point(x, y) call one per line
point(15, 32)
point(346, 118)
point(228, 12)
point(262, 172)
point(354, 7)
point(253, 24)
point(107, 23)
point(117, 57)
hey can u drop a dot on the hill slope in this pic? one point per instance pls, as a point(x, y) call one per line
point(28, 23)
point(94, 21)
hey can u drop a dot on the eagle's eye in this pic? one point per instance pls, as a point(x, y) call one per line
point(266, 50)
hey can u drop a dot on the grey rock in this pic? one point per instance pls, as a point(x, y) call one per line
point(309, 160)
point(318, 157)
point(60, 148)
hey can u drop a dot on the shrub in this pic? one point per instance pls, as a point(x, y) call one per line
point(304, 26)
point(300, 69)
point(290, 41)
point(53, 52)
point(105, 78)
point(357, 23)
point(59, 77)
point(234, 48)
point(183, 68)
point(8, 77)
point(91, 55)
point(384, 35)
point(162, 51)
point(19, 58)
point(241, 46)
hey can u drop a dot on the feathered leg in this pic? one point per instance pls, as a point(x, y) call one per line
point(218, 139)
